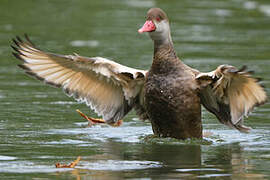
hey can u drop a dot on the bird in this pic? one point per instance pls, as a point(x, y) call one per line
point(170, 94)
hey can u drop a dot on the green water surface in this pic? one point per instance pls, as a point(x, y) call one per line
point(39, 125)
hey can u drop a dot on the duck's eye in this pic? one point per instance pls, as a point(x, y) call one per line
point(158, 18)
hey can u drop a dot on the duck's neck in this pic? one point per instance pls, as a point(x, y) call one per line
point(163, 43)
point(163, 49)
point(165, 59)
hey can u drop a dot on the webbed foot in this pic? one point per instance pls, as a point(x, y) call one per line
point(92, 121)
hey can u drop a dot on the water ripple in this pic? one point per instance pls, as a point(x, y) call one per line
point(116, 165)
point(103, 133)
point(80, 43)
point(7, 158)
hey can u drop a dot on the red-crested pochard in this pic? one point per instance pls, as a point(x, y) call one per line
point(170, 94)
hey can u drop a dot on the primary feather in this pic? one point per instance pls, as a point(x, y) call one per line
point(107, 87)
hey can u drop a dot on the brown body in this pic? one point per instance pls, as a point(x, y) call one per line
point(171, 97)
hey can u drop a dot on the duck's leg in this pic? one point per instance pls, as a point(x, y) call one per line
point(92, 121)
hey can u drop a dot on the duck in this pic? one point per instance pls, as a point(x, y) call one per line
point(170, 94)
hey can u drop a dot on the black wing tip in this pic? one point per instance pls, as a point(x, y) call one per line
point(17, 50)
point(26, 36)
point(250, 72)
point(262, 85)
point(52, 84)
point(29, 40)
point(32, 74)
point(16, 55)
point(22, 66)
point(19, 41)
point(261, 103)
point(14, 48)
point(19, 46)
point(15, 42)
point(243, 68)
point(233, 69)
point(258, 79)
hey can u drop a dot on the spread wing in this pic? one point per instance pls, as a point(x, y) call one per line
point(107, 87)
point(231, 94)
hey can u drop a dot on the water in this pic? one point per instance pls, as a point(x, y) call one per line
point(39, 125)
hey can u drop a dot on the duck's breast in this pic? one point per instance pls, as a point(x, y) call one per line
point(172, 104)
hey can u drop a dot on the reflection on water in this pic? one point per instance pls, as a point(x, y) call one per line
point(114, 156)
point(39, 125)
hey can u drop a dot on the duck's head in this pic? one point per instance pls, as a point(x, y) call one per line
point(157, 25)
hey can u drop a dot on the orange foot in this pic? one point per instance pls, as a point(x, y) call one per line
point(71, 165)
point(92, 121)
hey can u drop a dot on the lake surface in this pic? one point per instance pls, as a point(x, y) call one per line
point(39, 125)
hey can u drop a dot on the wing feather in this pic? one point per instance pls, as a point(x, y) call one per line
point(231, 94)
point(106, 86)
